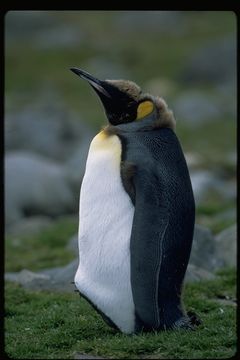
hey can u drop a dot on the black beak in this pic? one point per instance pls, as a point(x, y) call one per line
point(119, 106)
point(94, 82)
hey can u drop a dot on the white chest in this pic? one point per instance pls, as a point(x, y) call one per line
point(106, 215)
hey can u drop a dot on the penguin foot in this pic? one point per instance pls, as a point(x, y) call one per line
point(194, 318)
point(183, 323)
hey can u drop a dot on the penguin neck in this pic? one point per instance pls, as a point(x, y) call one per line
point(147, 123)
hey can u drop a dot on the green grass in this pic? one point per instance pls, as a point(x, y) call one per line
point(56, 325)
point(42, 250)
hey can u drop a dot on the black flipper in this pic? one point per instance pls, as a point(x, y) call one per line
point(162, 228)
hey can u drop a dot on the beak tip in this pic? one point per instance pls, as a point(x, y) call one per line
point(95, 83)
point(74, 70)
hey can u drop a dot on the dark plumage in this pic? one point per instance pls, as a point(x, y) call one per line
point(163, 224)
point(154, 174)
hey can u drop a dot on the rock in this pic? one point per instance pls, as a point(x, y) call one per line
point(75, 166)
point(193, 160)
point(46, 130)
point(226, 247)
point(140, 22)
point(26, 24)
point(28, 279)
point(195, 108)
point(231, 302)
point(60, 36)
point(226, 215)
point(73, 244)
point(211, 253)
point(62, 277)
point(86, 356)
point(29, 226)
point(208, 254)
point(35, 186)
point(54, 279)
point(227, 189)
point(196, 273)
point(203, 249)
point(215, 62)
point(204, 181)
point(44, 30)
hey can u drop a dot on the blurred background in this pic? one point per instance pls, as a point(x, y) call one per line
point(188, 58)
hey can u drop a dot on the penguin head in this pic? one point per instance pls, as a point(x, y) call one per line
point(125, 103)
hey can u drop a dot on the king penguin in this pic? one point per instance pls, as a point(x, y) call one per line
point(136, 213)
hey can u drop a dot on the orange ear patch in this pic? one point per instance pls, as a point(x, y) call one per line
point(144, 108)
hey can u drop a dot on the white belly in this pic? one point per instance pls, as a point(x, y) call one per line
point(106, 215)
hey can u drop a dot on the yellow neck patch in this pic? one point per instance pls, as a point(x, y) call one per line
point(144, 108)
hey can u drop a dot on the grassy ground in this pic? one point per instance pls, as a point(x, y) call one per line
point(56, 325)
point(45, 249)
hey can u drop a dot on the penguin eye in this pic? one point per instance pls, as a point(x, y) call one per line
point(144, 108)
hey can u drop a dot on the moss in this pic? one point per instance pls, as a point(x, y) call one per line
point(42, 250)
point(57, 325)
